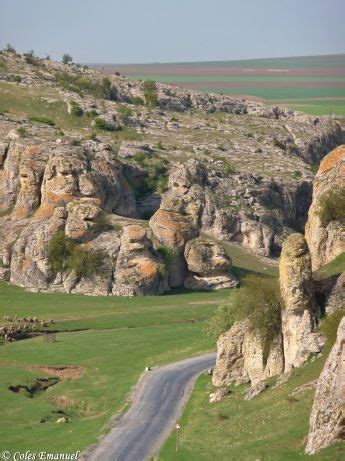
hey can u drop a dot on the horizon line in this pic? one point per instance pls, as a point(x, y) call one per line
point(211, 60)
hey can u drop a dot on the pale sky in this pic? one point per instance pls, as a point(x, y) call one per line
point(133, 31)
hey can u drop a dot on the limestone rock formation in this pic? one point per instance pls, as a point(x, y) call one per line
point(241, 357)
point(209, 266)
point(326, 235)
point(299, 311)
point(219, 395)
point(139, 270)
point(177, 221)
point(327, 419)
point(336, 298)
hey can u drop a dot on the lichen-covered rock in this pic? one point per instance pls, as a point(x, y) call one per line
point(67, 175)
point(327, 419)
point(336, 298)
point(209, 266)
point(139, 270)
point(255, 390)
point(243, 357)
point(206, 257)
point(81, 223)
point(299, 311)
point(107, 244)
point(210, 282)
point(326, 239)
point(219, 395)
point(29, 262)
point(173, 225)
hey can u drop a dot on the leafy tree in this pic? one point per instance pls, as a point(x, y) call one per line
point(67, 58)
point(150, 93)
point(10, 48)
point(258, 301)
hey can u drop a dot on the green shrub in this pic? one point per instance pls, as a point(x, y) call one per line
point(59, 248)
point(314, 168)
point(67, 58)
point(10, 48)
point(30, 58)
point(332, 206)
point(21, 131)
point(76, 110)
point(91, 113)
point(278, 143)
point(163, 273)
point(125, 112)
point(42, 119)
point(14, 78)
point(64, 254)
point(103, 125)
point(228, 167)
point(167, 254)
point(297, 174)
point(84, 262)
point(150, 93)
point(257, 300)
point(77, 84)
point(137, 100)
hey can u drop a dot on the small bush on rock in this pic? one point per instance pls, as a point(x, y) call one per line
point(42, 119)
point(257, 300)
point(332, 206)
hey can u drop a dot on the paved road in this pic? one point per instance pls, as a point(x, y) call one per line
point(158, 402)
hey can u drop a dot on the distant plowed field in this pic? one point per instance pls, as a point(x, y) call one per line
point(313, 84)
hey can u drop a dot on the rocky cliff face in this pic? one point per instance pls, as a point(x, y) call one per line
point(241, 357)
point(239, 175)
point(299, 311)
point(327, 419)
point(325, 230)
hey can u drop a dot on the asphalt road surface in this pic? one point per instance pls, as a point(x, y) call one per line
point(158, 403)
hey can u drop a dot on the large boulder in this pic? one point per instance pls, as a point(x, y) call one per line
point(326, 237)
point(209, 266)
point(139, 270)
point(242, 357)
point(299, 311)
point(327, 419)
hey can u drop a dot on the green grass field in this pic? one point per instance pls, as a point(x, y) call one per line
point(110, 340)
point(271, 427)
point(296, 80)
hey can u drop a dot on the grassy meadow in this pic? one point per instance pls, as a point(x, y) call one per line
point(104, 344)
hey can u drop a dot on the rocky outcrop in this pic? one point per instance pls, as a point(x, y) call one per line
point(177, 220)
point(139, 270)
point(326, 234)
point(327, 419)
point(209, 266)
point(336, 298)
point(299, 311)
point(242, 357)
point(29, 254)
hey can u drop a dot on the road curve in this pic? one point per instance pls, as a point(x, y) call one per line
point(158, 402)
